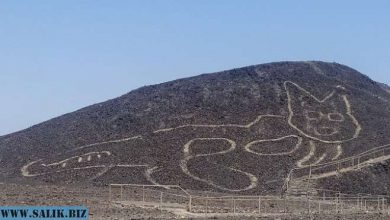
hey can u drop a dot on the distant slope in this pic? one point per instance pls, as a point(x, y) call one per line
point(238, 131)
point(385, 87)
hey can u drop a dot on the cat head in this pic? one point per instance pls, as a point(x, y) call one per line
point(329, 120)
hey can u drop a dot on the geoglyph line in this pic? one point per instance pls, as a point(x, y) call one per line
point(291, 113)
point(351, 168)
point(187, 147)
point(316, 68)
point(319, 71)
point(323, 156)
point(355, 121)
point(108, 142)
point(259, 118)
point(187, 157)
point(339, 150)
point(25, 172)
point(80, 158)
point(25, 169)
point(354, 167)
point(249, 145)
point(308, 156)
point(220, 126)
point(369, 152)
point(148, 174)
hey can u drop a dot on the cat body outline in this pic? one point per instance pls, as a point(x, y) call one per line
point(323, 138)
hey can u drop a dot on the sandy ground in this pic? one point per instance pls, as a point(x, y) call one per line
point(96, 199)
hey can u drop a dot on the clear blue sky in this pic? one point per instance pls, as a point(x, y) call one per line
point(58, 56)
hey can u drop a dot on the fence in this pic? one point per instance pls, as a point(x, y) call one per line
point(174, 197)
point(149, 195)
point(323, 170)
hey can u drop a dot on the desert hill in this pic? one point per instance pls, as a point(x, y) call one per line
point(235, 131)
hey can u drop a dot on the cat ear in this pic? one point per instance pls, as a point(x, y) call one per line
point(339, 98)
point(298, 94)
point(341, 90)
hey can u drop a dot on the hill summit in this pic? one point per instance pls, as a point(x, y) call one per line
point(237, 131)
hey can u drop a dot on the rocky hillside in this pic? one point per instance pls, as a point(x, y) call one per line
point(236, 131)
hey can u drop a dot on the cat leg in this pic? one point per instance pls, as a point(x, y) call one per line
point(275, 147)
point(306, 159)
point(207, 167)
point(339, 152)
point(320, 154)
point(331, 152)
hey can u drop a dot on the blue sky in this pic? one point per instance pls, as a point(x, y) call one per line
point(59, 56)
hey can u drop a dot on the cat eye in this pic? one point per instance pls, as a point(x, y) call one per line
point(335, 117)
point(313, 115)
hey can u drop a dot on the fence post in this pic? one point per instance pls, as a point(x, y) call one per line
point(285, 204)
point(307, 192)
point(234, 206)
point(190, 204)
point(121, 192)
point(161, 200)
point(319, 204)
point(365, 204)
point(357, 201)
point(259, 205)
point(207, 204)
point(338, 167)
point(383, 204)
point(358, 163)
point(379, 207)
point(323, 198)
point(109, 194)
point(143, 194)
point(288, 182)
point(387, 205)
